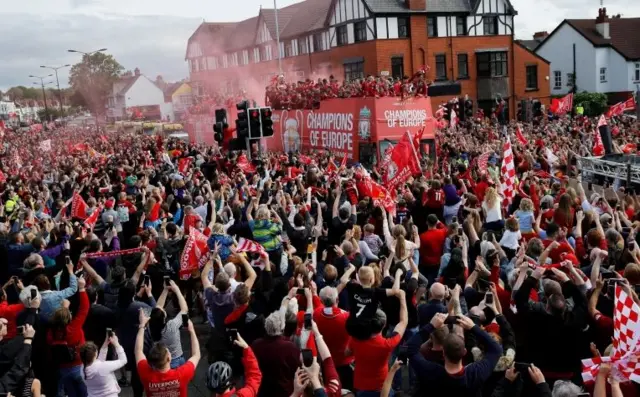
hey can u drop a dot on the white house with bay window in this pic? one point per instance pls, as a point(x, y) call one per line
point(607, 55)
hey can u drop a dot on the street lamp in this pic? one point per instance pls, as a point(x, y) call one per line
point(55, 69)
point(44, 95)
point(88, 53)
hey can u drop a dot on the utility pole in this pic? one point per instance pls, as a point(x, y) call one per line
point(44, 94)
point(55, 69)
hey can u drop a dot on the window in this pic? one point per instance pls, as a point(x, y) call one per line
point(492, 64)
point(360, 30)
point(557, 80)
point(461, 26)
point(203, 64)
point(570, 80)
point(263, 54)
point(441, 67)
point(303, 46)
point(397, 67)
point(224, 61)
point(318, 43)
point(432, 27)
point(353, 71)
point(403, 27)
point(603, 75)
point(268, 53)
point(490, 25)
point(192, 63)
point(463, 66)
point(637, 76)
point(288, 50)
point(341, 33)
point(256, 55)
point(532, 77)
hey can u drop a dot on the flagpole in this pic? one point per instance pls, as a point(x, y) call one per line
point(275, 10)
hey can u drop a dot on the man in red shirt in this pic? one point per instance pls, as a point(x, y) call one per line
point(432, 248)
point(156, 375)
point(332, 324)
point(372, 355)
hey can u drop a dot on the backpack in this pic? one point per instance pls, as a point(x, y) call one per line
point(170, 253)
point(123, 213)
point(62, 353)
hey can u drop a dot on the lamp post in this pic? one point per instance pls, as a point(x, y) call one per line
point(88, 54)
point(275, 10)
point(55, 69)
point(44, 94)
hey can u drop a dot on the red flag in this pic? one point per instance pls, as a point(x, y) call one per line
point(523, 141)
point(244, 164)
point(90, 222)
point(483, 161)
point(508, 172)
point(626, 330)
point(630, 104)
point(562, 105)
point(3, 178)
point(245, 245)
point(195, 254)
point(78, 207)
point(183, 164)
point(404, 163)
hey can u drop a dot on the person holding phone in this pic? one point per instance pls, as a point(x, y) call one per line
point(161, 329)
point(156, 375)
point(453, 378)
point(99, 374)
point(10, 311)
point(220, 374)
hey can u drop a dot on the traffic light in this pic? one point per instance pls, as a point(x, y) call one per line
point(220, 125)
point(242, 123)
point(266, 122)
point(255, 130)
point(242, 127)
point(462, 115)
point(468, 108)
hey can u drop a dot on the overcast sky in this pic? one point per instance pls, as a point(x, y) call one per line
point(152, 34)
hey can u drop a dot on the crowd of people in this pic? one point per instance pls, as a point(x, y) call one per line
point(305, 286)
point(308, 94)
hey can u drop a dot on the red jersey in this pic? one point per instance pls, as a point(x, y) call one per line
point(434, 198)
point(332, 324)
point(372, 356)
point(432, 246)
point(173, 383)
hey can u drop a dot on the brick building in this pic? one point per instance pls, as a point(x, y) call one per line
point(468, 45)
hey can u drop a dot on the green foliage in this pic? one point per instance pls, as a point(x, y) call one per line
point(594, 103)
point(92, 79)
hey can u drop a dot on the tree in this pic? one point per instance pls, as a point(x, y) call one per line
point(594, 103)
point(15, 94)
point(93, 79)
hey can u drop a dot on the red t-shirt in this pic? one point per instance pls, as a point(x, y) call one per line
point(434, 199)
point(372, 356)
point(173, 383)
point(431, 246)
point(556, 254)
point(332, 324)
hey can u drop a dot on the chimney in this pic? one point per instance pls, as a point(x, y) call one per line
point(539, 36)
point(136, 72)
point(416, 5)
point(602, 23)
